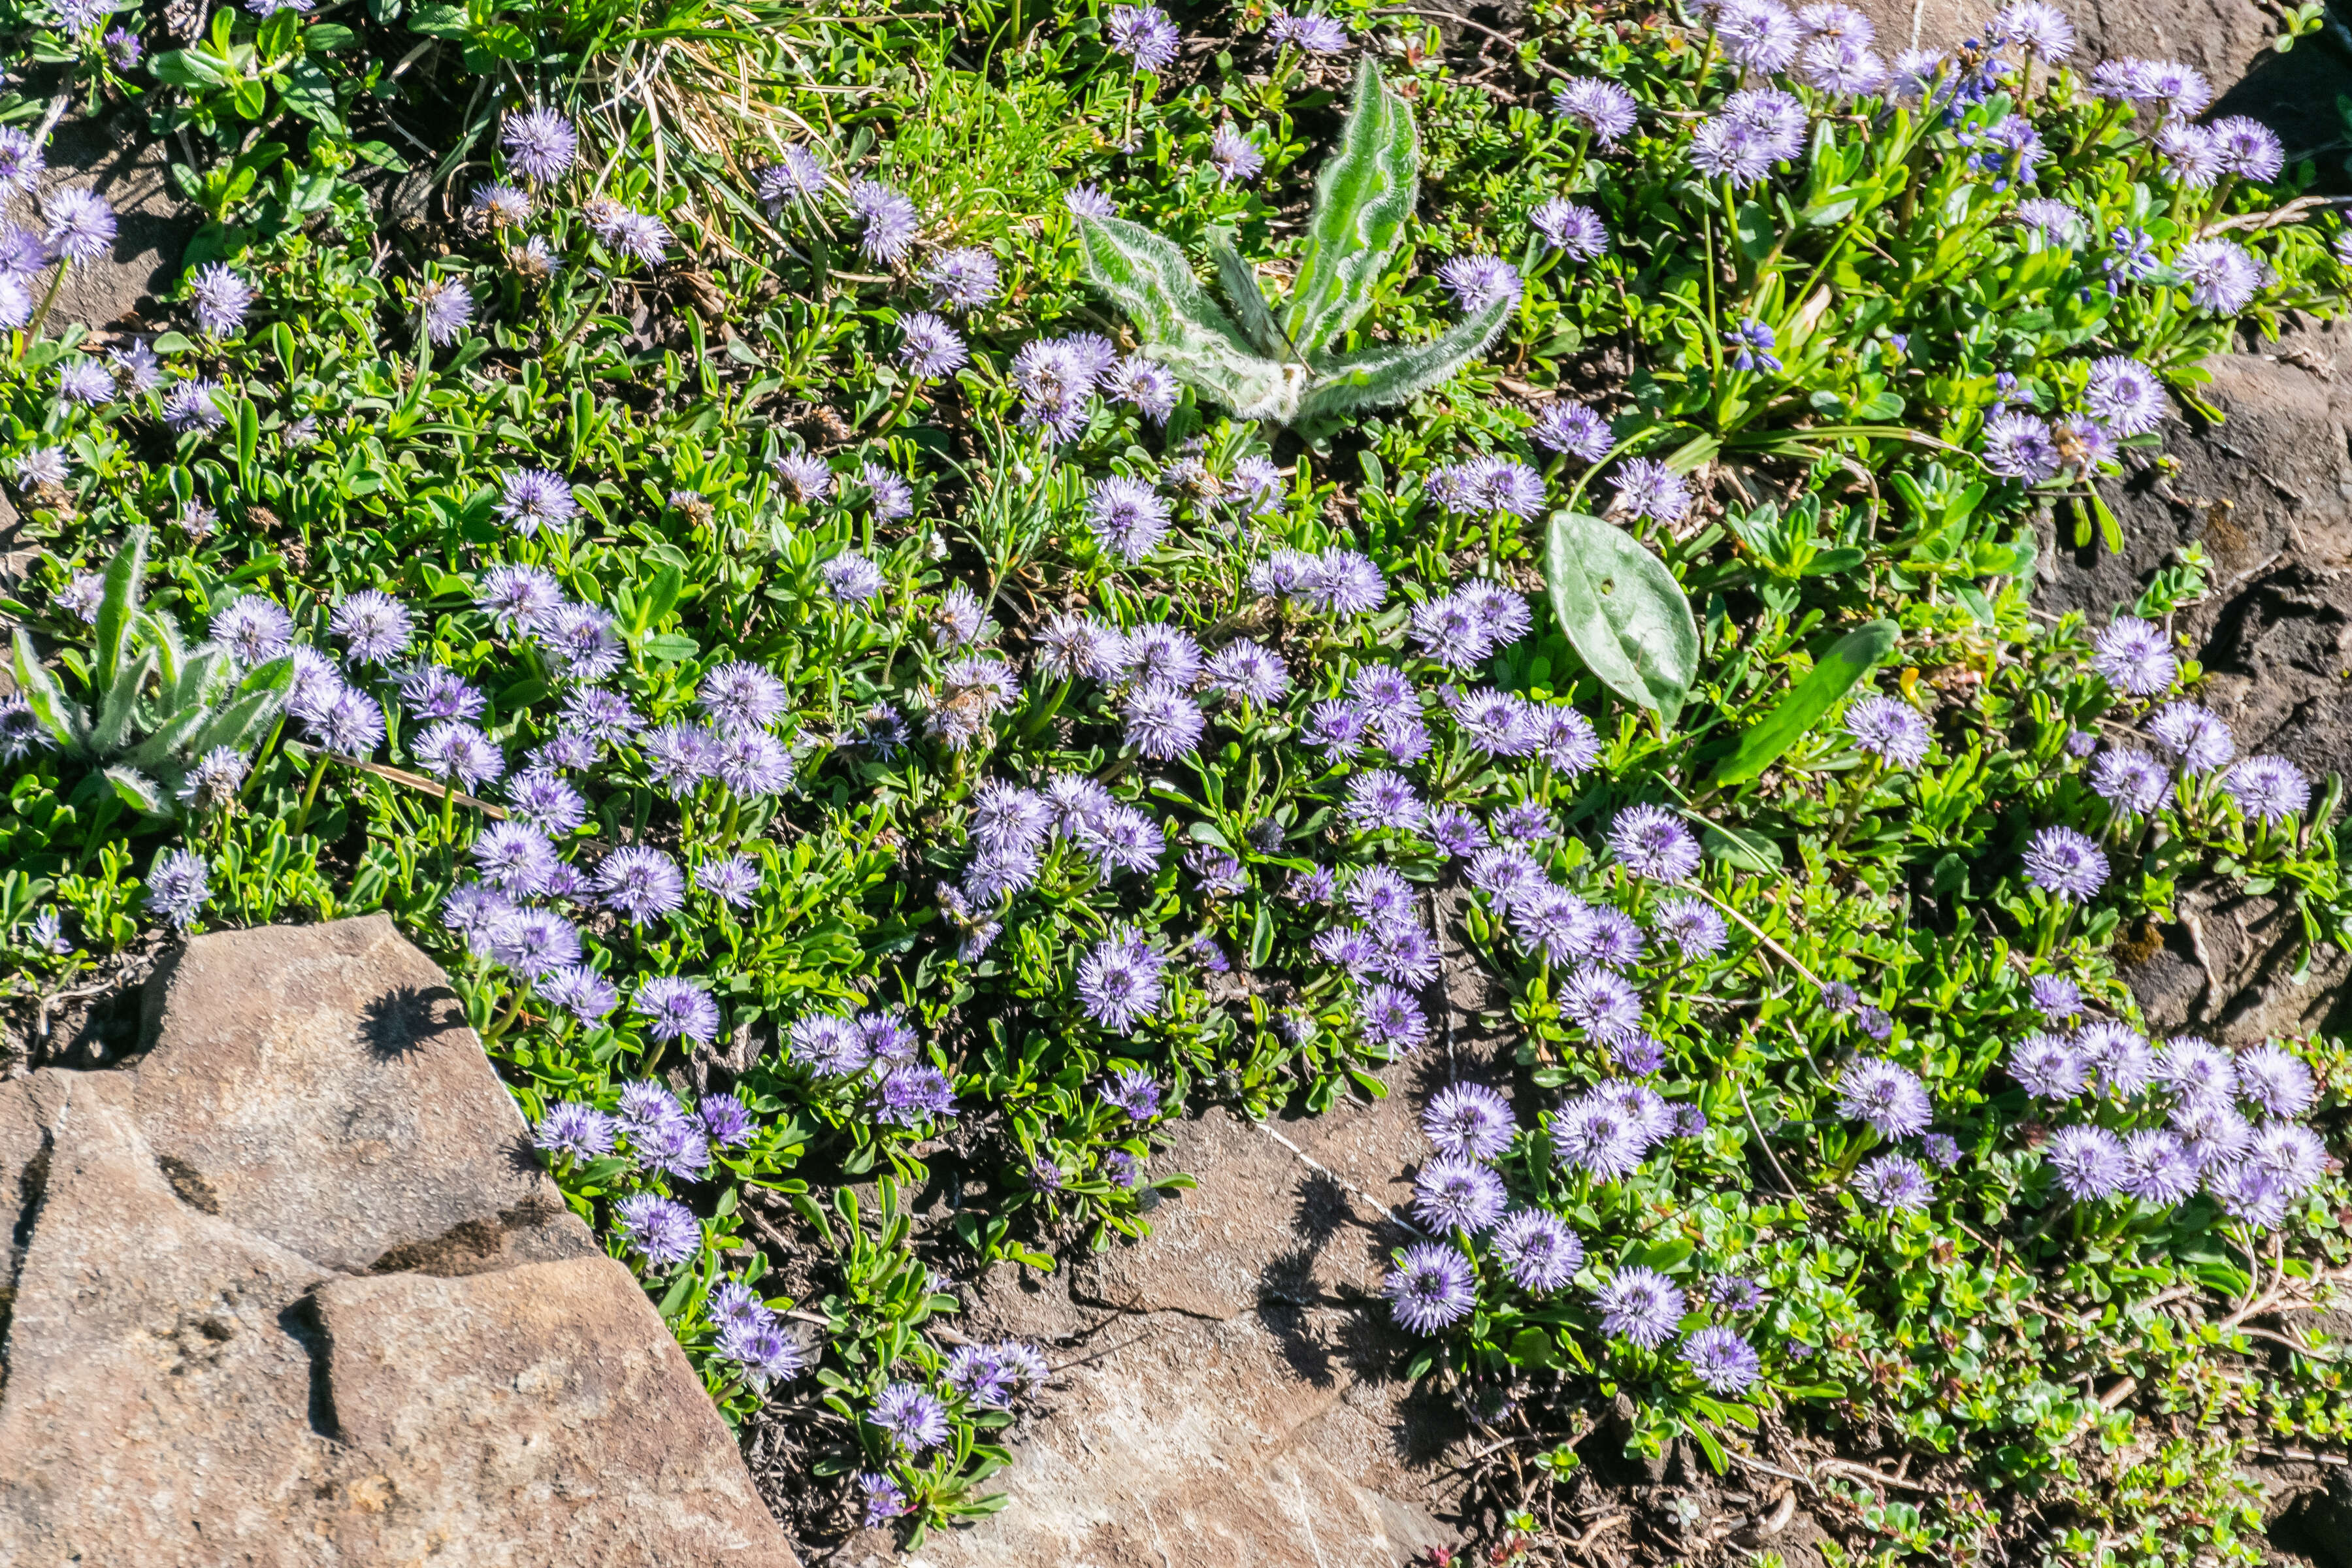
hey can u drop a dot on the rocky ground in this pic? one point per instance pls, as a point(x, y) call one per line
point(290, 1286)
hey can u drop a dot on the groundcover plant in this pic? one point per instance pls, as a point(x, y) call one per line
point(914, 597)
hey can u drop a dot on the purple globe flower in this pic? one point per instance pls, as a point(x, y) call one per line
point(2274, 1079)
point(446, 306)
point(1602, 109)
point(1646, 488)
point(1574, 230)
point(1430, 1286)
point(2126, 397)
point(1888, 1096)
point(2267, 788)
point(1119, 982)
point(2134, 656)
point(1891, 1182)
point(2065, 865)
point(1315, 35)
point(1452, 1193)
point(580, 992)
point(571, 1128)
point(2133, 781)
point(1391, 1019)
point(1603, 1004)
point(964, 278)
point(460, 752)
point(676, 1009)
point(1144, 34)
point(929, 347)
point(540, 143)
point(2194, 734)
point(1691, 925)
point(733, 881)
point(2047, 1067)
point(1235, 154)
point(1641, 1304)
point(1477, 281)
point(1127, 516)
point(1594, 1134)
point(1245, 669)
point(1888, 728)
point(890, 221)
point(1722, 1359)
point(1650, 841)
point(1572, 429)
point(663, 1230)
point(2118, 1055)
point(374, 627)
point(2221, 277)
point(910, 1414)
point(1538, 1249)
point(1469, 1120)
point(221, 299)
point(2090, 1162)
point(2157, 1168)
point(641, 883)
point(80, 225)
point(179, 885)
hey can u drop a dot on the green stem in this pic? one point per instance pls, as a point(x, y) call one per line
point(57, 281)
point(310, 792)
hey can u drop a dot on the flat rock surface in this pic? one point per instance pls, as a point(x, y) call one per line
point(287, 1290)
point(1228, 1390)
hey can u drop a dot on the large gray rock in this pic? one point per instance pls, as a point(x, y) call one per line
point(129, 169)
point(288, 1290)
point(318, 1085)
point(1232, 1393)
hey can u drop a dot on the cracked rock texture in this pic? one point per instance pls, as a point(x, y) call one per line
point(1229, 1391)
point(287, 1289)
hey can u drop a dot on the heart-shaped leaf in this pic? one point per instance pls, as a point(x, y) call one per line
point(1623, 612)
point(1854, 656)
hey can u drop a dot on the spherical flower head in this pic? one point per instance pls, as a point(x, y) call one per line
point(212, 783)
point(179, 885)
point(499, 206)
point(1235, 154)
point(1088, 201)
point(431, 691)
point(540, 143)
point(2118, 1055)
point(2020, 446)
point(1314, 34)
point(1143, 34)
point(2158, 1167)
point(1840, 66)
point(1594, 1134)
point(1457, 1194)
point(1528, 822)
point(741, 695)
point(1145, 382)
point(2247, 148)
point(2047, 1067)
point(194, 405)
point(2134, 781)
point(2292, 1152)
point(663, 1230)
point(446, 306)
point(1247, 670)
point(910, 1414)
point(675, 1008)
point(2065, 865)
point(2090, 1161)
point(21, 162)
point(1888, 1096)
point(1162, 722)
point(520, 598)
point(2134, 656)
point(851, 578)
point(375, 627)
point(1470, 1121)
point(80, 225)
point(1650, 841)
point(2194, 734)
point(515, 857)
point(963, 278)
point(1133, 1091)
point(1603, 108)
point(2039, 29)
point(1722, 1360)
point(751, 764)
point(1477, 281)
point(1891, 1182)
point(254, 629)
point(1691, 925)
point(1646, 488)
point(2267, 788)
point(1538, 1249)
point(1430, 1286)
point(1602, 1002)
point(1642, 1305)
point(1834, 20)
point(1054, 381)
point(1127, 516)
point(2197, 1073)
point(929, 347)
point(2222, 276)
point(221, 299)
point(1888, 728)
point(1345, 582)
point(890, 218)
point(1119, 982)
point(1382, 800)
point(1573, 230)
point(580, 992)
point(82, 381)
point(573, 1129)
point(1572, 430)
point(2125, 395)
point(2274, 1079)
point(1391, 1019)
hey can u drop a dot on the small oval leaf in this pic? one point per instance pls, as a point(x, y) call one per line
point(1623, 612)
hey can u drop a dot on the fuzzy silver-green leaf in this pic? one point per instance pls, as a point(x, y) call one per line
point(1364, 196)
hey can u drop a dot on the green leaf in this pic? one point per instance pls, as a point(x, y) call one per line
point(439, 22)
point(1623, 612)
point(1364, 197)
point(138, 790)
point(311, 93)
point(1377, 378)
point(118, 603)
point(1855, 655)
point(1181, 326)
point(121, 701)
point(1743, 848)
point(61, 717)
point(1248, 300)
